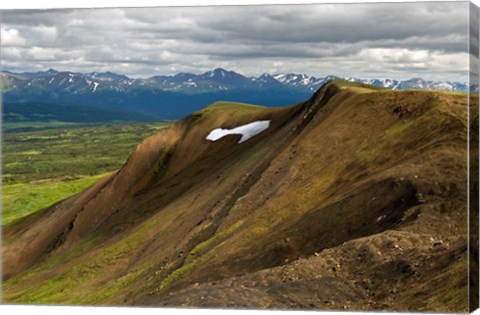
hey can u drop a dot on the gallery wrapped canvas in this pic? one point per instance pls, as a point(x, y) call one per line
point(314, 157)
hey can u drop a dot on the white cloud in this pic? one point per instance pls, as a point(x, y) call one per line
point(393, 55)
point(56, 55)
point(47, 34)
point(12, 53)
point(39, 53)
point(10, 37)
point(459, 61)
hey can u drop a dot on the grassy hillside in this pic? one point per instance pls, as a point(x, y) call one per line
point(43, 167)
point(21, 199)
point(354, 199)
point(233, 109)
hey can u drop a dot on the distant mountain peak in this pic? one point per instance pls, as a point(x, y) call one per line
point(217, 72)
point(222, 73)
point(220, 70)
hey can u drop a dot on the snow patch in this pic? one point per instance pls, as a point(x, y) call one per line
point(95, 85)
point(247, 131)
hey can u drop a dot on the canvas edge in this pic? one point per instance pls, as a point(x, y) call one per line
point(473, 162)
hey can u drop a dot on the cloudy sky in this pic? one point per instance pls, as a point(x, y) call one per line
point(400, 41)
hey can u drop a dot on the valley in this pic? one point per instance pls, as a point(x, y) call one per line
point(42, 167)
point(25, 116)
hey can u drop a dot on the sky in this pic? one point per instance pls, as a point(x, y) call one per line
point(389, 40)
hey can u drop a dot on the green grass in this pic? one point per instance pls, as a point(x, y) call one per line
point(234, 109)
point(24, 198)
point(198, 255)
point(37, 125)
point(64, 288)
point(348, 84)
point(73, 158)
point(106, 291)
point(79, 151)
point(205, 246)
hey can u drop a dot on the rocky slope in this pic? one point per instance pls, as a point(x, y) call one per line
point(354, 199)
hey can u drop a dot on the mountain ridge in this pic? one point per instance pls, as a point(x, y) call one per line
point(221, 75)
point(176, 96)
point(325, 208)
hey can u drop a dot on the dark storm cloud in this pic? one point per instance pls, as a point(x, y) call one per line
point(358, 39)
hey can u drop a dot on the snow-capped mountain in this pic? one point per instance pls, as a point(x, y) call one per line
point(415, 84)
point(302, 80)
point(313, 83)
point(218, 79)
point(177, 92)
point(267, 81)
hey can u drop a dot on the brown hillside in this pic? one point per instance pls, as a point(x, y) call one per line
point(354, 199)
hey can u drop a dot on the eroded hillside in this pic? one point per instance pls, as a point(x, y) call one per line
point(355, 199)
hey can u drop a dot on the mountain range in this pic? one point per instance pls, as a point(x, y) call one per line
point(354, 199)
point(175, 96)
